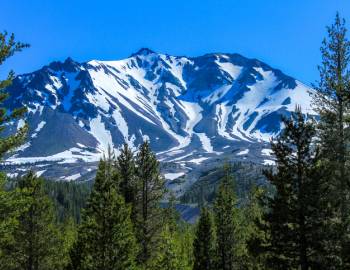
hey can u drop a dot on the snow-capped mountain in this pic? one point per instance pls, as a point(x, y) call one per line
point(191, 109)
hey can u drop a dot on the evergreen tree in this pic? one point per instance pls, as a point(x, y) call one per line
point(168, 255)
point(77, 253)
point(332, 100)
point(126, 169)
point(226, 215)
point(179, 233)
point(38, 243)
point(127, 175)
point(185, 234)
point(293, 213)
point(11, 207)
point(151, 190)
point(69, 198)
point(69, 235)
point(257, 237)
point(204, 242)
point(8, 47)
point(105, 239)
point(10, 204)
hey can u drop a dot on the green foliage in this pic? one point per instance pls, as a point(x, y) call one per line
point(302, 222)
point(257, 239)
point(171, 216)
point(333, 105)
point(150, 191)
point(205, 188)
point(105, 238)
point(204, 242)
point(126, 169)
point(8, 47)
point(37, 243)
point(10, 210)
point(185, 236)
point(168, 255)
point(69, 198)
point(226, 221)
point(294, 217)
point(179, 232)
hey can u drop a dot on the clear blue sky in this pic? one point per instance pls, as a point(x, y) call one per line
point(285, 34)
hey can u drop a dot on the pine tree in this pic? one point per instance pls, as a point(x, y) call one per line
point(8, 47)
point(167, 256)
point(126, 168)
point(69, 235)
point(105, 239)
point(257, 237)
point(11, 206)
point(38, 244)
point(204, 242)
point(77, 253)
point(151, 190)
point(293, 216)
point(225, 214)
point(332, 100)
point(127, 185)
point(185, 234)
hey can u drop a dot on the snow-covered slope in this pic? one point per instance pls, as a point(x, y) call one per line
point(190, 109)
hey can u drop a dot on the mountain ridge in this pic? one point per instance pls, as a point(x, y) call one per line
point(191, 109)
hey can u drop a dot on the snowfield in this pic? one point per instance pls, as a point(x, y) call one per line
point(191, 109)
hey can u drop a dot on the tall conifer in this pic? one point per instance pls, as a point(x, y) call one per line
point(151, 189)
point(226, 218)
point(106, 236)
point(293, 219)
point(38, 244)
point(167, 256)
point(127, 178)
point(204, 242)
point(332, 100)
point(8, 47)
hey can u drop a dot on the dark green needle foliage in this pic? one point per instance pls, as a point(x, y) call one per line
point(293, 218)
point(332, 100)
point(127, 184)
point(105, 238)
point(204, 242)
point(151, 190)
point(8, 47)
point(38, 241)
point(226, 221)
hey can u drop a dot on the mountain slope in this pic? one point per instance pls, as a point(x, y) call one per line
point(190, 109)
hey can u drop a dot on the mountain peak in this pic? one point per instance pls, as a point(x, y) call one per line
point(143, 51)
point(190, 109)
point(69, 64)
point(69, 60)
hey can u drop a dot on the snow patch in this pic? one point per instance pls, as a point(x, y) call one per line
point(39, 173)
point(73, 177)
point(39, 127)
point(198, 160)
point(266, 152)
point(269, 162)
point(205, 142)
point(102, 135)
point(243, 152)
point(12, 175)
point(172, 176)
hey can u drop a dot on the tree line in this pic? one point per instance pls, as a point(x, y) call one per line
point(300, 222)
